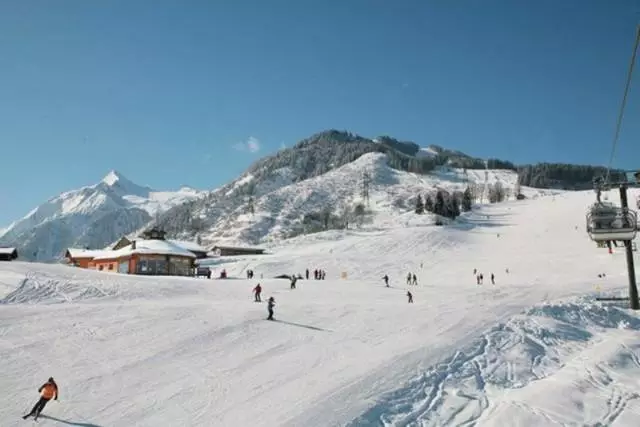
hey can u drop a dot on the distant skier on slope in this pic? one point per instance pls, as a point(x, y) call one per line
point(410, 296)
point(257, 291)
point(271, 304)
point(493, 279)
point(48, 391)
point(414, 280)
point(386, 280)
point(294, 279)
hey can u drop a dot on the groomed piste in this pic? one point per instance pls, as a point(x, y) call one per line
point(533, 349)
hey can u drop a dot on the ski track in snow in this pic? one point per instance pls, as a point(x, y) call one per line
point(534, 349)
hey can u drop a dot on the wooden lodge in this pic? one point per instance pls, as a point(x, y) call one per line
point(150, 255)
point(8, 254)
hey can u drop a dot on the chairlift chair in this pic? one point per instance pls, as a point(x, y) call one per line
point(606, 221)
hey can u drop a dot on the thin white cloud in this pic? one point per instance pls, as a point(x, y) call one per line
point(252, 145)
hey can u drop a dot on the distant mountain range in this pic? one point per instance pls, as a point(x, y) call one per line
point(277, 197)
point(92, 216)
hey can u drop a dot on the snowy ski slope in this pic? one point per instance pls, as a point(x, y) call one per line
point(532, 350)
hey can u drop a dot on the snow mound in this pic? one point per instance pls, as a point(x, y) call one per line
point(472, 385)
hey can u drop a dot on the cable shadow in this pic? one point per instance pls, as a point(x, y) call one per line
point(69, 423)
point(299, 325)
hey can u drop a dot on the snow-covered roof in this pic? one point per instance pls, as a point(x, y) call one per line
point(190, 246)
point(85, 253)
point(142, 246)
point(5, 251)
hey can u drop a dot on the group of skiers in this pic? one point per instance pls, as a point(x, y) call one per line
point(318, 274)
point(412, 279)
point(480, 277)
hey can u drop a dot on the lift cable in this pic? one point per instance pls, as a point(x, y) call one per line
point(623, 105)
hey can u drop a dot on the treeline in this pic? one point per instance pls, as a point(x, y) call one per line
point(341, 218)
point(324, 151)
point(451, 205)
point(563, 176)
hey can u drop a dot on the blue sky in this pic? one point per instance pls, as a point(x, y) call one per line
point(167, 91)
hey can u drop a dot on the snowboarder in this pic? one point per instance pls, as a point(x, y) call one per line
point(386, 280)
point(410, 296)
point(48, 391)
point(294, 279)
point(270, 304)
point(493, 279)
point(257, 291)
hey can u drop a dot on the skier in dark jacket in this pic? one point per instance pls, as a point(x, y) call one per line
point(386, 280)
point(257, 291)
point(270, 305)
point(48, 391)
point(410, 296)
point(294, 279)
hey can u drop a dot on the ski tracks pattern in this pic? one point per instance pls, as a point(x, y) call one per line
point(509, 356)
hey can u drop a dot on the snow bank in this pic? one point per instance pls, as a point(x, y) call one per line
point(525, 371)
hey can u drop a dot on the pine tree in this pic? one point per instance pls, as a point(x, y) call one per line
point(428, 203)
point(467, 202)
point(419, 205)
point(439, 207)
point(250, 206)
point(454, 206)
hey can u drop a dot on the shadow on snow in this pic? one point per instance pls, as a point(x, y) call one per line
point(299, 325)
point(69, 423)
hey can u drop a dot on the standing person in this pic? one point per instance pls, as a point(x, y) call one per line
point(257, 291)
point(386, 280)
point(409, 279)
point(270, 305)
point(294, 279)
point(48, 391)
point(414, 280)
point(493, 279)
point(306, 274)
point(410, 296)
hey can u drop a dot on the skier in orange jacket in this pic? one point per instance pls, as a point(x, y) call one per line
point(48, 391)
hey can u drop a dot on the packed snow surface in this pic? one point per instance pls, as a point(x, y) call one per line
point(534, 349)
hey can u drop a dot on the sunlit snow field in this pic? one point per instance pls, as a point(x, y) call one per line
point(534, 349)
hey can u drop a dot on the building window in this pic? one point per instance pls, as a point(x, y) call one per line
point(101, 267)
point(110, 266)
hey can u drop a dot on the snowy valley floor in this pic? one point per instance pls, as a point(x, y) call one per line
point(532, 350)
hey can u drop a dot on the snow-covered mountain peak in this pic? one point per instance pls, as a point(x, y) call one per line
point(112, 177)
point(92, 216)
point(117, 182)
